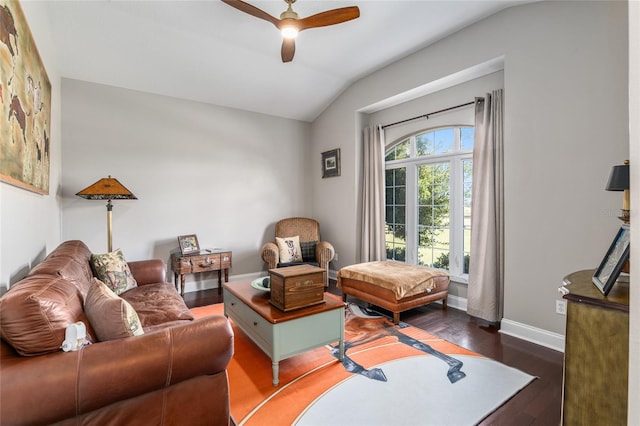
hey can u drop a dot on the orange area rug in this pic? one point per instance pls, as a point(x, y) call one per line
point(386, 364)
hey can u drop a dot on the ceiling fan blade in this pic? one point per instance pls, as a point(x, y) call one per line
point(288, 49)
point(252, 10)
point(330, 17)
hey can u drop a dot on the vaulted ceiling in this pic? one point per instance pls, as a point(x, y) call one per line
point(209, 52)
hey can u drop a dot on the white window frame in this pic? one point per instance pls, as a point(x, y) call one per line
point(456, 201)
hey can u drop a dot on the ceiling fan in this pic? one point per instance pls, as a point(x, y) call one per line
point(290, 24)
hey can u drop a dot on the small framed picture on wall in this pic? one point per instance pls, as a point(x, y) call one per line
point(331, 163)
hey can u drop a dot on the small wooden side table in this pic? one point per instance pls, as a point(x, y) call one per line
point(204, 261)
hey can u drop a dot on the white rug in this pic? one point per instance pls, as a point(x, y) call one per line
point(418, 393)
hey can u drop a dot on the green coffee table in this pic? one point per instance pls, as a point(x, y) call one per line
point(282, 334)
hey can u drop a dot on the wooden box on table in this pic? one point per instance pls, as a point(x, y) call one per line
point(296, 287)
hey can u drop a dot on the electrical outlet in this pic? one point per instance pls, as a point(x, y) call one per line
point(561, 307)
point(335, 256)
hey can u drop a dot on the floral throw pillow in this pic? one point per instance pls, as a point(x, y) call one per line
point(289, 248)
point(111, 316)
point(113, 270)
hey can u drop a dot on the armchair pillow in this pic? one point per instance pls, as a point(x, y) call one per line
point(113, 270)
point(289, 248)
point(110, 316)
point(308, 251)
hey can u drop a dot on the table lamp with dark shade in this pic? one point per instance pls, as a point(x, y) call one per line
point(107, 189)
point(619, 181)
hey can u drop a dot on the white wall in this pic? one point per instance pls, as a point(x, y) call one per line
point(225, 175)
point(566, 124)
point(30, 222)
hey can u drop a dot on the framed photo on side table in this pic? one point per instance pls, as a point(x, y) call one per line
point(331, 163)
point(613, 262)
point(188, 244)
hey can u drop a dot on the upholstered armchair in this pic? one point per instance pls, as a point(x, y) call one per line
point(314, 251)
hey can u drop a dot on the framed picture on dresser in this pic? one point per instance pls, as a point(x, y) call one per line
point(188, 244)
point(618, 254)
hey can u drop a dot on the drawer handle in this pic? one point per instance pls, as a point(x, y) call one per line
point(207, 262)
point(255, 323)
point(304, 283)
point(233, 303)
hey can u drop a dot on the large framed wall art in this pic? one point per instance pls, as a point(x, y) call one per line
point(25, 96)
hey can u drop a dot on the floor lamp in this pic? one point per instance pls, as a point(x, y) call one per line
point(107, 189)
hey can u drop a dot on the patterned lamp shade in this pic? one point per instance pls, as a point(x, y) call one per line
point(107, 189)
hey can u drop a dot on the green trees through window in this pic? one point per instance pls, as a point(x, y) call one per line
point(428, 199)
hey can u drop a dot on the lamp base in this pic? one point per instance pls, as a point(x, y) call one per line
point(625, 216)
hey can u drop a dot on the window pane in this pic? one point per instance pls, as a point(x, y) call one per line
point(424, 144)
point(395, 242)
point(466, 138)
point(400, 195)
point(395, 208)
point(433, 214)
point(388, 177)
point(444, 141)
point(399, 151)
point(388, 195)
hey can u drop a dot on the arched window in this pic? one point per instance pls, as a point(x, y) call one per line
point(428, 199)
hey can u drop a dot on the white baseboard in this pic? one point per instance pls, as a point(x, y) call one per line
point(531, 334)
point(456, 302)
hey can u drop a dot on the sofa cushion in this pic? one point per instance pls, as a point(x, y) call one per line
point(35, 313)
point(289, 248)
point(157, 304)
point(111, 316)
point(73, 249)
point(113, 270)
point(79, 274)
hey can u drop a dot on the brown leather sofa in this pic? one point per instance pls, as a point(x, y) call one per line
point(173, 374)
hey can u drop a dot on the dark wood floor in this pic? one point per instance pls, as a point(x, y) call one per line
point(537, 404)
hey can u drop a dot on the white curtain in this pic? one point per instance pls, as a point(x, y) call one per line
point(486, 270)
point(372, 246)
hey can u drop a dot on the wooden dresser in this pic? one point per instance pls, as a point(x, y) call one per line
point(596, 355)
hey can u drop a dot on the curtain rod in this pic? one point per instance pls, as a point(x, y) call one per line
point(431, 113)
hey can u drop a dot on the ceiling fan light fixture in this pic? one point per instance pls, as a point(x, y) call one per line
point(290, 23)
point(289, 32)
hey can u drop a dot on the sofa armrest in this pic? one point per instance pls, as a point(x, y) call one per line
point(271, 255)
point(61, 385)
point(148, 271)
